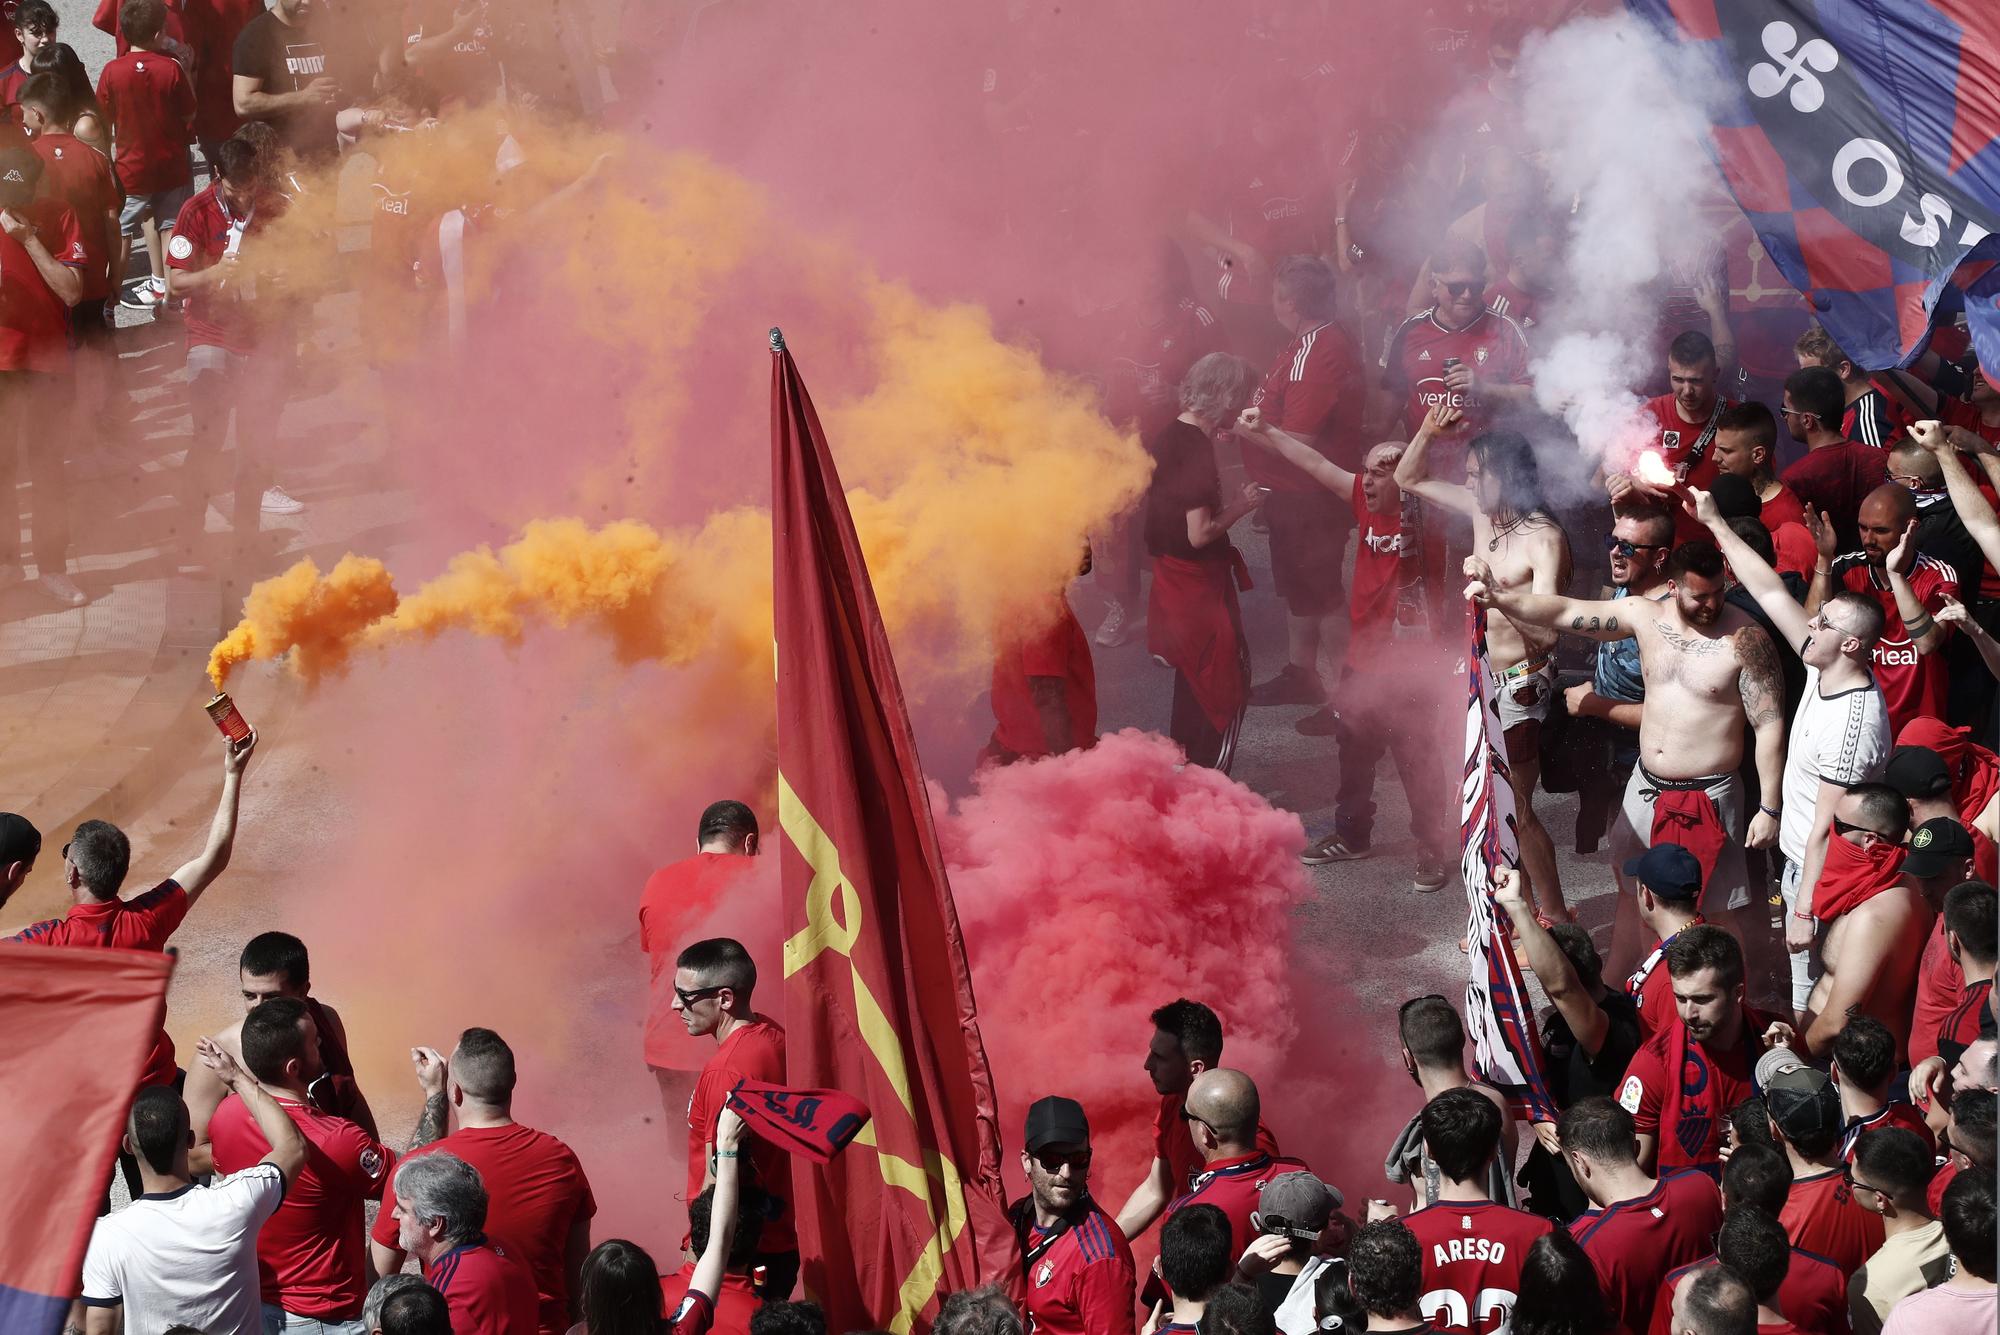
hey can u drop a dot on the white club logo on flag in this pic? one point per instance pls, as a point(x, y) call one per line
point(1795, 60)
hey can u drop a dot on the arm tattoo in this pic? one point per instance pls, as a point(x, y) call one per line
point(1761, 681)
point(430, 1126)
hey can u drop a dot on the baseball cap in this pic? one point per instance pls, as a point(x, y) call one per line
point(1056, 1121)
point(1917, 771)
point(1669, 871)
point(1803, 1102)
point(20, 169)
point(1936, 844)
point(1296, 1205)
point(20, 841)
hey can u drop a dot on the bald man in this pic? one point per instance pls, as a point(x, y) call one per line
point(1221, 1110)
point(1911, 587)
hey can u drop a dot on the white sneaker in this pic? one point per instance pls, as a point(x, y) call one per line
point(63, 589)
point(278, 501)
point(1116, 628)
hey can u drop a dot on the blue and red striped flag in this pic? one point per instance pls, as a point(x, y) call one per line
point(1859, 138)
point(79, 1024)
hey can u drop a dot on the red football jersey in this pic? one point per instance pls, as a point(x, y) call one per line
point(674, 899)
point(1517, 304)
point(1822, 1216)
point(1413, 366)
point(1633, 1244)
point(148, 101)
point(1472, 1252)
point(1277, 209)
point(1711, 1084)
point(200, 238)
point(1083, 1284)
point(1149, 361)
point(1652, 988)
point(536, 1191)
point(1684, 446)
point(1311, 391)
point(488, 1291)
point(1934, 1197)
point(1890, 1114)
point(1939, 981)
point(34, 321)
point(1960, 1029)
point(1387, 559)
point(1913, 684)
point(143, 922)
point(311, 1257)
point(1782, 506)
point(1813, 1296)
point(1061, 651)
point(728, 1313)
point(81, 178)
point(756, 1050)
point(1173, 1141)
point(1234, 1186)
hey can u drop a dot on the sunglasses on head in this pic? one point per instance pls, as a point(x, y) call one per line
point(1624, 550)
point(689, 999)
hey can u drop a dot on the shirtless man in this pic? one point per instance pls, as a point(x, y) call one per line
point(1522, 549)
point(1707, 666)
point(1872, 951)
point(275, 964)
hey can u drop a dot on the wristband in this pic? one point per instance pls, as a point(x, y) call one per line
point(1768, 811)
point(728, 1154)
point(1803, 917)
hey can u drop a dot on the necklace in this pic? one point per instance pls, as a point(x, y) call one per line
point(1503, 530)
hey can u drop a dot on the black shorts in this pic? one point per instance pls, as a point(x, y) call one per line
point(1308, 543)
point(89, 325)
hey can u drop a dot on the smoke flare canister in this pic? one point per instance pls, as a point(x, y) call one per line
point(228, 717)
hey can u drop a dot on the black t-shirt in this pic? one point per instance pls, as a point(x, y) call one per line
point(1572, 1076)
point(1184, 479)
point(1942, 534)
point(287, 58)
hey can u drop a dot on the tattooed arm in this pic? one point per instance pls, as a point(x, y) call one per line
point(1763, 688)
point(431, 1071)
point(1572, 616)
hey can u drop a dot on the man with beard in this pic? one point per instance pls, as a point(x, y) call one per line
point(1688, 417)
point(1911, 588)
point(1707, 667)
point(1525, 557)
point(1074, 1260)
point(1836, 473)
point(1746, 446)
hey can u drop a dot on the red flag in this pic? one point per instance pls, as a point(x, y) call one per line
point(814, 1124)
point(79, 1024)
point(878, 1000)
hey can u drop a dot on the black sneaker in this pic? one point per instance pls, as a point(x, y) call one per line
point(1322, 722)
point(1431, 874)
point(1331, 848)
point(1292, 686)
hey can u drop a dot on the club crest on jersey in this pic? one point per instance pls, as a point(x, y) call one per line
point(1479, 355)
point(1670, 439)
point(1045, 1274)
point(371, 1162)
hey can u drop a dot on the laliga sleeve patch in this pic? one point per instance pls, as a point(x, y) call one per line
point(180, 247)
point(1631, 1093)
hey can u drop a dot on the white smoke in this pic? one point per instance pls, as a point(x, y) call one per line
point(1613, 117)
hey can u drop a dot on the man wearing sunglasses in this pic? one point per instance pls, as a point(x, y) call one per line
point(712, 983)
point(1222, 1113)
point(1458, 353)
point(1075, 1262)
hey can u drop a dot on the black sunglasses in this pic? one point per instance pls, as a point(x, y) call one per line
point(1842, 827)
point(1623, 550)
point(689, 999)
point(1460, 289)
point(1051, 1162)
point(1187, 1116)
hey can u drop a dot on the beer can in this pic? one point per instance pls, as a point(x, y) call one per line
point(228, 717)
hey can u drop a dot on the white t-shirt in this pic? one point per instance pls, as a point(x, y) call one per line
point(1842, 738)
point(189, 1256)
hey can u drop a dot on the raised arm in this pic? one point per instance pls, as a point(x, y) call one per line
point(1323, 470)
point(1762, 686)
point(1572, 616)
point(1558, 977)
point(281, 1133)
point(197, 875)
point(1752, 571)
point(1974, 510)
point(722, 1213)
point(1954, 613)
point(1926, 635)
point(1413, 472)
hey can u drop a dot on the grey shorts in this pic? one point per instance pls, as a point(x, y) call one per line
point(1526, 698)
point(162, 207)
point(210, 357)
point(1632, 834)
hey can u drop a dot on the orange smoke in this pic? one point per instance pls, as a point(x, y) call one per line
point(317, 620)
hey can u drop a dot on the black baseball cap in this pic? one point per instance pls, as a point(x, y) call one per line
point(1669, 871)
point(20, 841)
point(1935, 845)
point(1917, 771)
point(1055, 1121)
point(20, 169)
point(1803, 1102)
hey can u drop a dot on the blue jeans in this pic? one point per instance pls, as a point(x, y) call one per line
point(277, 1321)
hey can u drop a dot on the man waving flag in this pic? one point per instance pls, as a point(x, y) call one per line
point(878, 1002)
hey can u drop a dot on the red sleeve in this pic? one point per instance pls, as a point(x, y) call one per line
point(1392, 362)
point(384, 1229)
point(1161, 1129)
point(1641, 1092)
point(1323, 385)
point(184, 102)
point(1940, 592)
point(1105, 1293)
point(367, 1161)
point(1512, 368)
point(182, 252)
point(1047, 654)
point(106, 18)
point(695, 1314)
point(160, 910)
point(69, 249)
point(1663, 1308)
